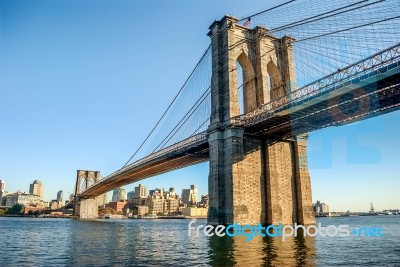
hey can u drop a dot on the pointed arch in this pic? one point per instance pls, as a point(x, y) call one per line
point(246, 90)
point(91, 181)
point(274, 81)
point(83, 184)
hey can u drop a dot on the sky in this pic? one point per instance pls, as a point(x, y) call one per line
point(83, 82)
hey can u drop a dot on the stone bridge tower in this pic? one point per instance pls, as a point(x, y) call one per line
point(85, 208)
point(253, 179)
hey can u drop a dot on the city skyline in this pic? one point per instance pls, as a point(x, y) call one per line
point(52, 123)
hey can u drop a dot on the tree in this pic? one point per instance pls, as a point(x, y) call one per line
point(17, 209)
point(2, 212)
point(106, 211)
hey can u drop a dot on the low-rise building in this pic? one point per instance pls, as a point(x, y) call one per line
point(195, 212)
point(142, 210)
point(120, 206)
point(155, 204)
point(21, 198)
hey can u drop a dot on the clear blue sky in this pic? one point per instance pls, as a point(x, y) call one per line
point(83, 82)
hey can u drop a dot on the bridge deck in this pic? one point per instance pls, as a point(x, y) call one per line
point(185, 153)
point(364, 89)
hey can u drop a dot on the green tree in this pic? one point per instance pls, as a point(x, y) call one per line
point(17, 209)
point(2, 212)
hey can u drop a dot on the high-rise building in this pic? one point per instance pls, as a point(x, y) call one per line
point(172, 191)
point(36, 188)
point(60, 197)
point(189, 196)
point(2, 185)
point(2, 191)
point(130, 195)
point(141, 191)
point(102, 200)
point(195, 196)
point(320, 207)
point(122, 194)
point(119, 194)
point(115, 195)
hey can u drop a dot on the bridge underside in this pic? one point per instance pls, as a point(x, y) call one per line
point(359, 103)
point(171, 161)
point(258, 164)
point(370, 100)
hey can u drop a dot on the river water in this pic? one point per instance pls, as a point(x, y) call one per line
point(66, 242)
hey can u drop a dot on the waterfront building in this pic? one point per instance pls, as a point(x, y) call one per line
point(320, 207)
point(55, 204)
point(137, 201)
point(138, 196)
point(142, 210)
point(118, 206)
point(21, 198)
point(36, 188)
point(195, 212)
point(172, 205)
point(155, 204)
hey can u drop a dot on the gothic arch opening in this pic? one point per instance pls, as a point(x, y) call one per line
point(91, 182)
point(239, 70)
point(246, 85)
point(275, 86)
point(83, 184)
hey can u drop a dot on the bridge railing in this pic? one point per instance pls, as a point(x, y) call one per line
point(342, 77)
point(192, 141)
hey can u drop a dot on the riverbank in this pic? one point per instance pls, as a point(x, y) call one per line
point(41, 216)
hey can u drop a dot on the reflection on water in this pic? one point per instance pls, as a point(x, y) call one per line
point(262, 251)
point(63, 242)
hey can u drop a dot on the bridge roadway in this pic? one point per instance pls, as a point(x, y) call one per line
point(365, 89)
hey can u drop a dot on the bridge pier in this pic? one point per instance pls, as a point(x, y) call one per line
point(85, 207)
point(253, 178)
point(88, 208)
point(288, 184)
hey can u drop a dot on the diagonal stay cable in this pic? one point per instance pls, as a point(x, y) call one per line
point(170, 105)
point(266, 10)
point(347, 29)
point(184, 118)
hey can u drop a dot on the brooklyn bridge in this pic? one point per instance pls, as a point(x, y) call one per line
point(263, 84)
